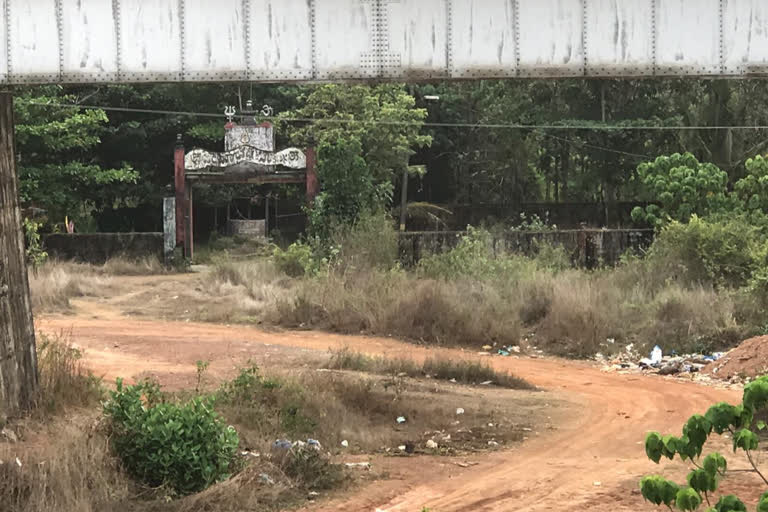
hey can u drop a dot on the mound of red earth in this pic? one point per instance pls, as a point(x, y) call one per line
point(749, 359)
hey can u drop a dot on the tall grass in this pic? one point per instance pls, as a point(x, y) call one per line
point(461, 371)
point(64, 382)
point(472, 296)
point(55, 283)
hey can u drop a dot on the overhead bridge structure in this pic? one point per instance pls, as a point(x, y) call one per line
point(87, 41)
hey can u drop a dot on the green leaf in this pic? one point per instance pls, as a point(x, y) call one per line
point(658, 490)
point(715, 463)
point(756, 394)
point(654, 446)
point(730, 503)
point(697, 430)
point(762, 505)
point(722, 416)
point(745, 439)
point(687, 499)
point(702, 481)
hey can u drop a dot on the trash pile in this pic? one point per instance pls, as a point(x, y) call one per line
point(657, 362)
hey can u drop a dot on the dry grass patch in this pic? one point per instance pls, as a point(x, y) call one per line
point(64, 382)
point(398, 304)
point(55, 283)
point(69, 468)
point(144, 266)
point(362, 409)
point(460, 371)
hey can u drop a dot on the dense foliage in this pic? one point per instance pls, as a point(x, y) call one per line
point(115, 167)
point(740, 423)
point(58, 169)
point(186, 447)
point(683, 186)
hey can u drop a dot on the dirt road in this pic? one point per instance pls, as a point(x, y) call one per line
point(592, 462)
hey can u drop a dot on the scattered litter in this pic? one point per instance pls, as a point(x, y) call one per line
point(452, 380)
point(250, 454)
point(358, 465)
point(432, 445)
point(515, 349)
point(266, 479)
point(401, 447)
point(282, 444)
point(314, 444)
point(314, 493)
point(401, 419)
point(656, 355)
point(487, 347)
point(486, 383)
point(490, 424)
point(493, 443)
point(502, 352)
point(459, 411)
point(526, 429)
point(9, 435)
point(345, 443)
point(597, 484)
point(18, 462)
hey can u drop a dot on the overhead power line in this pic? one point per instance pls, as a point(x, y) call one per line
point(493, 126)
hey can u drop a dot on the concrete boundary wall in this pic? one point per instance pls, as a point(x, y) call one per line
point(99, 247)
point(588, 248)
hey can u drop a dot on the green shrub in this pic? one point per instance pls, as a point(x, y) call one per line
point(183, 446)
point(370, 243)
point(683, 186)
point(295, 261)
point(722, 253)
point(473, 257)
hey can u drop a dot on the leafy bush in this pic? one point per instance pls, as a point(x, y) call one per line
point(752, 189)
point(183, 446)
point(721, 253)
point(683, 186)
point(36, 255)
point(296, 260)
point(737, 420)
point(474, 258)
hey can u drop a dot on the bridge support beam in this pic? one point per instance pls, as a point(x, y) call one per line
point(18, 359)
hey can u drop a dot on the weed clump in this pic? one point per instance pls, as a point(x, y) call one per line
point(186, 447)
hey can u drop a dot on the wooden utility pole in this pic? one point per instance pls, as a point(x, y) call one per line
point(18, 360)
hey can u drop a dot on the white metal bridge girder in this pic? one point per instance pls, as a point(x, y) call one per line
point(75, 41)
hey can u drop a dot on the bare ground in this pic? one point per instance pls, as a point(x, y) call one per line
point(591, 461)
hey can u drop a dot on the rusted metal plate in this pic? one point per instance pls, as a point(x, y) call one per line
point(150, 40)
point(34, 37)
point(53, 41)
point(619, 37)
point(280, 40)
point(550, 38)
point(214, 40)
point(417, 38)
point(482, 38)
point(745, 36)
point(89, 45)
point(345, 39)
point(687, 37)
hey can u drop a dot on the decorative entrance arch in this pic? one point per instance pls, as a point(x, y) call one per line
point(249, 157)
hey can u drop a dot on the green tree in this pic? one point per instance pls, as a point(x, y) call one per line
point(741, 422)
point(58, 170)
point(683, 187)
